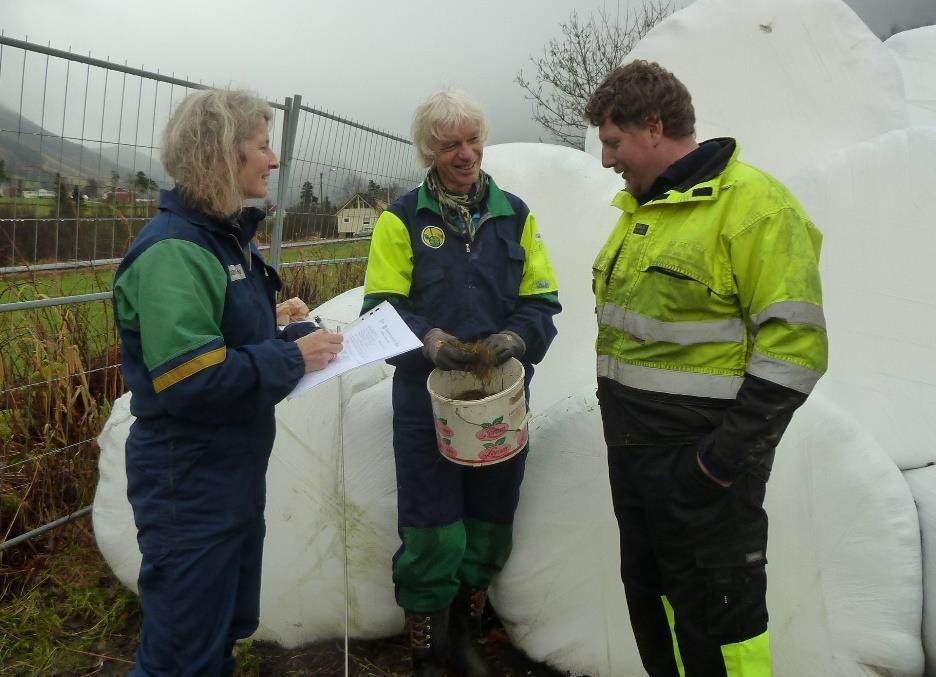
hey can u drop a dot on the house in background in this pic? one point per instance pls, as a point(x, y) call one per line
point(120, 195)
point(41, 193)
point(357, 217)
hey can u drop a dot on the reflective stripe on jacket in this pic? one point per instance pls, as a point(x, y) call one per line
point(699, 286)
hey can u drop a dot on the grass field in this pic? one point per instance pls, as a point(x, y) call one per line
point(49, 208)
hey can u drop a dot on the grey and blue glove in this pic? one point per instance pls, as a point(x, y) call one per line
point(505, 345)
point(442, 350)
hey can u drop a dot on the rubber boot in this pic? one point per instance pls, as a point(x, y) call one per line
point(465, 633)
point(428, 638)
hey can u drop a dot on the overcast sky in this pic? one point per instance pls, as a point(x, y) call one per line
point(369, 60)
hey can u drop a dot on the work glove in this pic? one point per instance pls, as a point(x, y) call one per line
point(442, 350)
point(505, 345)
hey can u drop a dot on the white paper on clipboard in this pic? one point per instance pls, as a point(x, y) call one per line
point(376, 335)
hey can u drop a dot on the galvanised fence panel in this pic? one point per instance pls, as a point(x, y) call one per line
point(79, 176)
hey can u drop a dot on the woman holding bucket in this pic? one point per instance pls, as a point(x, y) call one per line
point(460, 260)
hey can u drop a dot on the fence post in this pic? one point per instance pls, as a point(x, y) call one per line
point(288, 138)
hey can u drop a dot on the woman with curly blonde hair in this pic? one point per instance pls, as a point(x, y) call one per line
point(206, 364)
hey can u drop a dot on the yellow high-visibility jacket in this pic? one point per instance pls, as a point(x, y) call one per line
point(698, 287)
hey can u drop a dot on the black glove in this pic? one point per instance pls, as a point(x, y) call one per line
point(505, 345)
point(442, 350)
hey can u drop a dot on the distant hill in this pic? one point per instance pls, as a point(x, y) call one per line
point(20, 149)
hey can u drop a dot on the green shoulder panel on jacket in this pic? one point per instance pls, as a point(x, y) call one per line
point(173, 296)
point(390, 260)
point(538, 276)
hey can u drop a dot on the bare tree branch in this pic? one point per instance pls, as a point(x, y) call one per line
point(572, 67)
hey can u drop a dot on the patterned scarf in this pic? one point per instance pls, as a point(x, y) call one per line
point(457, 209)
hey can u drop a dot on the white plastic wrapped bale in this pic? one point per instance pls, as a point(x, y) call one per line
point(871, 202)
point(340, 310)
point(922, 483)
point(844, 582)
point(310, 508)
point(916, 55)
point(570, 194)
point(111, 515)
point(792, 80)
point(844, 572)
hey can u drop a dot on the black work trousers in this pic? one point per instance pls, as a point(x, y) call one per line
point(693, 558)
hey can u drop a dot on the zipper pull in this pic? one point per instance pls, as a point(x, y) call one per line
point(467, 248)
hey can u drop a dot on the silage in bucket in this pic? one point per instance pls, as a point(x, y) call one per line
point(481, 431)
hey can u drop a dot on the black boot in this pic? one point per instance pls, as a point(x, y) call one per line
point(428, 638)
point(465, 632)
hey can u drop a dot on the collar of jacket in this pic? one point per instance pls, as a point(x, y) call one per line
point(495, 204)
point(703, 183)
point(243, 225)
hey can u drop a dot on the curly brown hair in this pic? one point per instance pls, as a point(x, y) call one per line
point(643, 92)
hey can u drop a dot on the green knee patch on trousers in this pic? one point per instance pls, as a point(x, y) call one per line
point(488, 548)
point(425, 572)
point(435, 562)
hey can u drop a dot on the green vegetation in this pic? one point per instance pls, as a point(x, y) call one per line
point(47, 208)
point(62, 614)
point(317, 284)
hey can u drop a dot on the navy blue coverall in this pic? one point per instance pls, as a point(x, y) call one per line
point(200, 352)
point(455, 522)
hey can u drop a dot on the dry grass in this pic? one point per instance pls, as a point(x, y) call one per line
point(316, 284)
point(58, 374)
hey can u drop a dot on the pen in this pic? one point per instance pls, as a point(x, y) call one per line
point(321, 323)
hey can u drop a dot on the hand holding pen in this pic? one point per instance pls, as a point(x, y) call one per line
point(320, 347)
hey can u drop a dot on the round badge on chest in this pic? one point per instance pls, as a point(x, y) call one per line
point(433, 236)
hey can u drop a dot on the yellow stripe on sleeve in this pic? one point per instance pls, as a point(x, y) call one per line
point(190, 368)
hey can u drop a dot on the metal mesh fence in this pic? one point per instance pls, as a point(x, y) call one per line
point(79, 177)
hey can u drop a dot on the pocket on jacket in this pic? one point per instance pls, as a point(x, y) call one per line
point(685, 281)
point(429, 288)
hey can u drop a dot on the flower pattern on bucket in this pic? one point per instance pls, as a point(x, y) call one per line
point(445, 446)
point(495, 450)
point(492, 430)
point(442, 428)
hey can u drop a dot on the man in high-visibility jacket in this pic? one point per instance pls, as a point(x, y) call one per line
point(710, 334)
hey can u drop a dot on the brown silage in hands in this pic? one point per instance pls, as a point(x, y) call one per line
point(482, 367)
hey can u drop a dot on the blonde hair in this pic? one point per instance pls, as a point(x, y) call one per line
point(201, 146)
point(443, 110)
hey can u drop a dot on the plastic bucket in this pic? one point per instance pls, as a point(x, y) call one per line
point(483, 431)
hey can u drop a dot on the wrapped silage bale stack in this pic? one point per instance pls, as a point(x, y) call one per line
point(877, 256)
